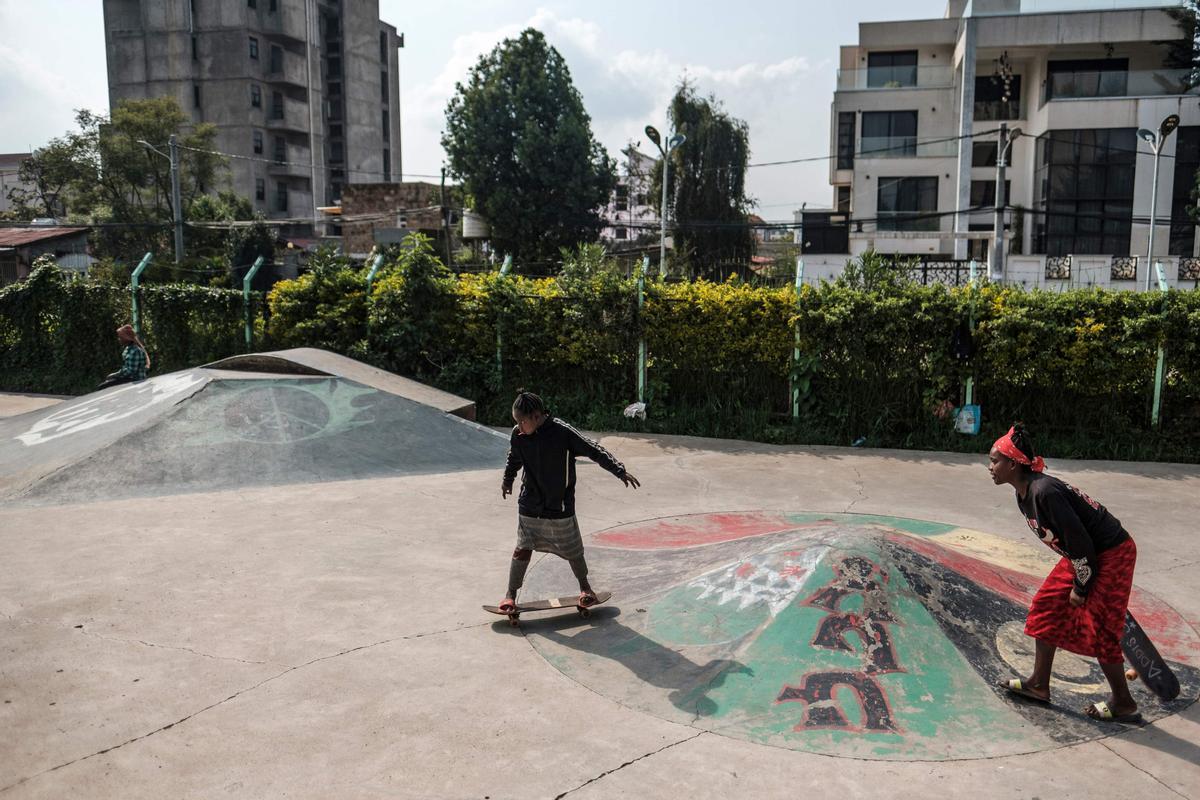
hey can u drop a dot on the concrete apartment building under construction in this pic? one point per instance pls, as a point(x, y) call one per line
point(305, 92)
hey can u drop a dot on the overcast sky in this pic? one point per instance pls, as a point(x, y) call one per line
point(772, 63)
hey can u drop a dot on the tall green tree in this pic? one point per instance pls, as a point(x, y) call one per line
point(102, 175)
point(707, 187)
point(519, 140)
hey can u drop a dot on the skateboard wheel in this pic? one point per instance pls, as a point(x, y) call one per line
point(585, 612)
point(1131, 674)
point(514, 622)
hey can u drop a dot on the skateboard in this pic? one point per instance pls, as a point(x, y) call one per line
point(1143, 655)
point(571, 601)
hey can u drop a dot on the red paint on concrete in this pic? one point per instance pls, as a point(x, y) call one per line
point(696, 530)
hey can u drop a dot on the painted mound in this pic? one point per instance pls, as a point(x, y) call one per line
point(850, 635)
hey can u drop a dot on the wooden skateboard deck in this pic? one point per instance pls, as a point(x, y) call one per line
point(570, 601)
point(1141, 653)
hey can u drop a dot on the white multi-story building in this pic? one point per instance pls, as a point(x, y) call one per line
point(630, 219)
point(914, 138)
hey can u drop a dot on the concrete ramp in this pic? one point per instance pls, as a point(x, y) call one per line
point(214, 428)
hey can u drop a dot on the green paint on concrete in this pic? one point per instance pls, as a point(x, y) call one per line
point(918, 526)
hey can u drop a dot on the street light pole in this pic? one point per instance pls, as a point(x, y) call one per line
point(672, 143)
point(176, 202)
point(1001, 200)
point(1156, 141)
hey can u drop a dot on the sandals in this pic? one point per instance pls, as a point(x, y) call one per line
point(1100, 711)
point(587, 599)
point(1015, 686)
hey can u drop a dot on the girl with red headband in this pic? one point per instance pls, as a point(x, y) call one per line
point(1081, 604)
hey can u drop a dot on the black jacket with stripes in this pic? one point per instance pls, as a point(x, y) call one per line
point(547, 458)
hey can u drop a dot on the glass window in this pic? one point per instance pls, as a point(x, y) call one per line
point(281, 196)
point(195, 49)
point(845, 140)
point(276, 105)
point(280, 149)
point(1187, 163)
point(387, 125)
point(383, 87)
point(843, 199)
point(258, 141)
point(906, 204)
point(889, 70)
point(983, 154)
point(383, 48)
point(1083, 181)
point(255, 96)
point(1092, 77)
point(252, 3)
point(621, 202)
point(260, 189)
point(983, 193)
point(276, 58)
point(990, 98)
point(889, 133)
point(387, 165)
point(196, 95)
point(253, 47)
point(621, 233)
point(273, 6)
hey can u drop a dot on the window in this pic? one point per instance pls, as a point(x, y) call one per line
point(195, 49)
point(978, 248)
point(845, 139)
point(890, 70)
point(276, 105)
point(983, 193)
point(281, 196)
point(387, 165)
point(260, 189)
point(843, 199)
point(252, 3)
point(273, 6)
point(989, 98)
point(1093, 77)
point(280, 150)
point(253, 47)
point(621, 202)
point(276, 58)
point(983, 154)
point(383, 48)
point(337, 152)
point(335, 131)
point(335, 89)
point(1187, 162)
point(641, 199)
point(1083, 181)
point(387, 125)
point(888, 134)
point(196, 95)
point(621, 233)
point(333, 67)
point(258, 141)
point(383, 87)
point(906, 204)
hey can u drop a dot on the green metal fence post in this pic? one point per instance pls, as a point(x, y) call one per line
point(375, 265)
point(641, 302)
point(505, 268)
point(972, 268)
point(1156, 409)
point(796, 347)
point(133, 289)
point(258, 262)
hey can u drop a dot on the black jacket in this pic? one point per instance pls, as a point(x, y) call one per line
point(1072, 524)
point(547, 457)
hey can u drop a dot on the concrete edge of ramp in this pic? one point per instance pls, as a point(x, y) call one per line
point(313, 361)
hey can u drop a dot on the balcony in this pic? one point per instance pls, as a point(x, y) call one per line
point(905, 147)
point(908, 221)
point(884, 78)
point(288, 69)
point(1089, 84)
point(286, 23)
point(291, 161)
point(291, 116)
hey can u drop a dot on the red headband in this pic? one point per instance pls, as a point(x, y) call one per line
point(1006, 447)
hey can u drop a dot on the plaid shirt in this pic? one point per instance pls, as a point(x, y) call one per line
point(133, 363)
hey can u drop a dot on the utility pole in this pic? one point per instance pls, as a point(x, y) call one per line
point(446, 220)
point(999, 200)
point(176, 202)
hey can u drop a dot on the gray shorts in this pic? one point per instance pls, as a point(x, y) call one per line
point(558, 536)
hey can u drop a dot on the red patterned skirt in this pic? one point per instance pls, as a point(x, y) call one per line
point(1093, 629)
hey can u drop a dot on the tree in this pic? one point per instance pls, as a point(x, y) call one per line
point(707, 191)
point(519, 140)
point(102, 175)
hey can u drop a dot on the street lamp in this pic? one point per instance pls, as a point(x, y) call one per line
point(672, 143)
point(1156, 141)
point(1001, 200)
point(176, 204)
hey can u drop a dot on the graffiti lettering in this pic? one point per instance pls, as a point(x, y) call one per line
point(816, 691)
point(881, 655)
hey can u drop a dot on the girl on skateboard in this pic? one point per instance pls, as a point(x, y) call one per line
point(544, 448)
point(1081, 604)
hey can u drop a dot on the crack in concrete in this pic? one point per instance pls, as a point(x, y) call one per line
point(1175, 567)
point(860, 488)
point(234, 696)
point(183, 649)
point(627, 763)
point(1150, 775)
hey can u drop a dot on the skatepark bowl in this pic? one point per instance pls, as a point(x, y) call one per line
point(849, 635)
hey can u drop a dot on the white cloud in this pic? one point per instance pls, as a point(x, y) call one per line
point(623, 90)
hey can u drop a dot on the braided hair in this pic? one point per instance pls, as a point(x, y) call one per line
point(1023, 442)
point(527, 404)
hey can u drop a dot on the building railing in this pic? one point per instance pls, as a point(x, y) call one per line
point(895, 78)
point(1084, 84)
point(908, 221)
point(905, 147)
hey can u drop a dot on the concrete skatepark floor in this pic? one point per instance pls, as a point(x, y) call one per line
point(325, 639)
